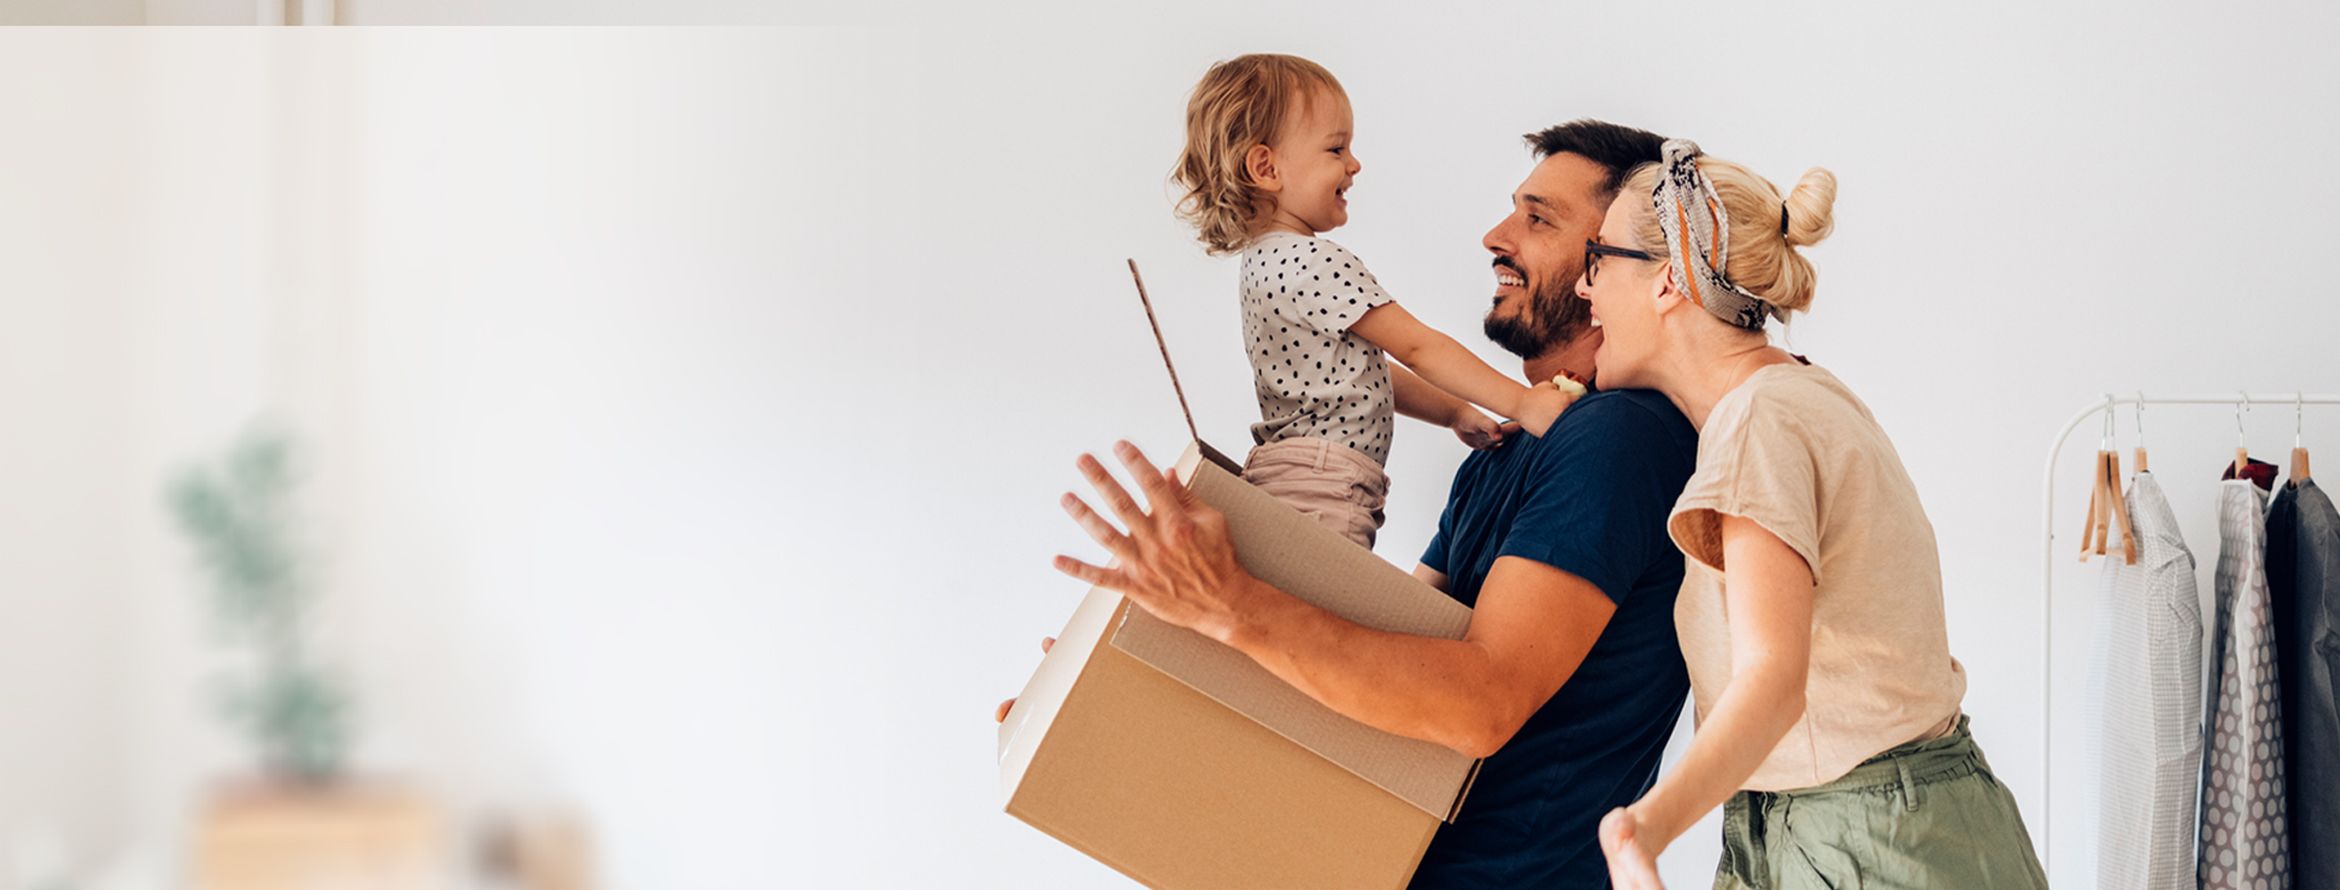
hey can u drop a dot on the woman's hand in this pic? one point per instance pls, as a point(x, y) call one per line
point(1175, 561)
point(1632, 854)
point(1480, 431)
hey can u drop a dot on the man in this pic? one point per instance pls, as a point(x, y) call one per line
point(1569, 679)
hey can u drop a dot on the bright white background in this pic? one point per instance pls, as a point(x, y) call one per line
point(688, 407)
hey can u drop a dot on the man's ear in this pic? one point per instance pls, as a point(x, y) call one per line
point(1259, 162)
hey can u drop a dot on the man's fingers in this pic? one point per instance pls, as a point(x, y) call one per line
point(1115, 542)
point(1046, 643)
point(1110, 491)
point(1094, 575)
point(1159, 492)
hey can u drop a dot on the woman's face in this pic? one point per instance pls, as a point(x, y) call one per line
point(1624, 297)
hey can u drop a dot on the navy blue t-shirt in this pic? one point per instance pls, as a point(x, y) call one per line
point(1589, 498)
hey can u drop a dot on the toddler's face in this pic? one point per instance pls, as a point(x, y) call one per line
point(1315, 164)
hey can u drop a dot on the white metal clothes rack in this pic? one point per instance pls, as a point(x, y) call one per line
point(2240, 401)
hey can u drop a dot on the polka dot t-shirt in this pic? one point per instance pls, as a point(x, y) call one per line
point(1300, 295)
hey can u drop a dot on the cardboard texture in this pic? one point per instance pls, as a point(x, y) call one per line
point(1309, 561)
point(1181, 763)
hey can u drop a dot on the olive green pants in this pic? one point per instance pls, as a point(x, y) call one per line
point(1924, 815)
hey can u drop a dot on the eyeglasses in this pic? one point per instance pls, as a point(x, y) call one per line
point(1594, 250)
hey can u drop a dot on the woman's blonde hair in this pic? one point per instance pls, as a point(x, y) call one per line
point(1240, 102)
point(1764, 257)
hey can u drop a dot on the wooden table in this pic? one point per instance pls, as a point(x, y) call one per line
point(335, 837)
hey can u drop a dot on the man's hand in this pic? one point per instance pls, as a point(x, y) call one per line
point(1632, 859)
point(1175, 560)
point(1480, 431)
point(1046, 643)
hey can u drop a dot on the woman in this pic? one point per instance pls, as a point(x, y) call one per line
point(1811, 613)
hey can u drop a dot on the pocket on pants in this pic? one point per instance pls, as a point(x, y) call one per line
point(1813, 843)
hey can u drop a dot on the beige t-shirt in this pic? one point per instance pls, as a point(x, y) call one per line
point(1797, 452)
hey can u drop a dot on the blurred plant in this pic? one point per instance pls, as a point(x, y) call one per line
point(237, 516)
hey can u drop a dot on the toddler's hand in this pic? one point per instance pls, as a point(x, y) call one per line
point(1480, 431)
point(1544, 403)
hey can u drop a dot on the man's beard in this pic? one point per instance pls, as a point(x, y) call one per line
point(1555, 316)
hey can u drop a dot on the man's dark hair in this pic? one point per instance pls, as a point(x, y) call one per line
point(1618, 149)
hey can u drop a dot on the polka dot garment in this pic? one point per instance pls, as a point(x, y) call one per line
point(2243, 844)
point(1314, 378)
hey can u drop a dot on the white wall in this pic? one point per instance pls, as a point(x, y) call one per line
point(62, 376)
point(690, 405)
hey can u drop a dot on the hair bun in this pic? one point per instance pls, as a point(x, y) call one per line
point(1810, 209)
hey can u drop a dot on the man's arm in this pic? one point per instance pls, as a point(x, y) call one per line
point(1532, 626)
point(1531, 629)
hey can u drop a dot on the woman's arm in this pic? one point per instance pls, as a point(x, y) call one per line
point(1767, 589)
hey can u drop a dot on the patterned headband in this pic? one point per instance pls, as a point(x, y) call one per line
point(1698, 235)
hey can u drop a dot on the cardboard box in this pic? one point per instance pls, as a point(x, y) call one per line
point(1181, 763)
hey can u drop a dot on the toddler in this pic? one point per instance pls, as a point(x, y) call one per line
point(1267, 169)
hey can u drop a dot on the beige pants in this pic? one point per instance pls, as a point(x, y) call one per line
point(1330, 482)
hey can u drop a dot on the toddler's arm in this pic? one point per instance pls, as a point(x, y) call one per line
point(1420, 399)
point(1446, 364)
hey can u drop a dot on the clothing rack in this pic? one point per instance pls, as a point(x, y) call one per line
point(2047, 637)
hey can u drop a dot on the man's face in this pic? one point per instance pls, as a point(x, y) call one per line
point(1539, 255)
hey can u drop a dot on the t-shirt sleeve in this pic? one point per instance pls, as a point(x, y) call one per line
point(1595, 504)
point(1322, 285)
point(1760, 464)
point(1435, 555)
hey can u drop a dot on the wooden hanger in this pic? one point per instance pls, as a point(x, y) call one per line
point(2299, 461)
point(2242, 455)
point(2106, 505)
point(2099, 500)
point(2120, 509)
point(2095, 509)
point(2141, 467)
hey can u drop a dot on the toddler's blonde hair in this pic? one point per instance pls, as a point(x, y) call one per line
point(1240, 102)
